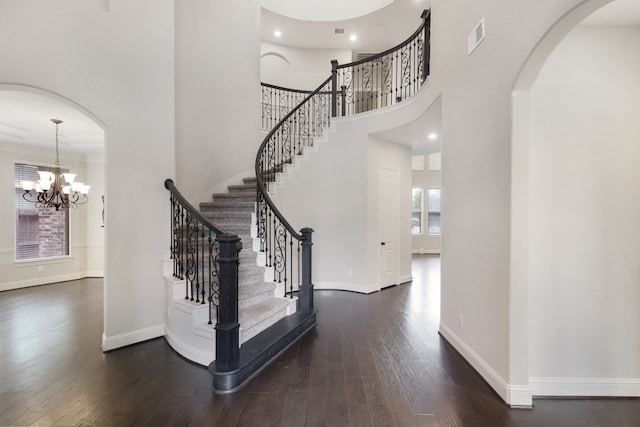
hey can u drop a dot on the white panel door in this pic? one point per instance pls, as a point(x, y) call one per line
point(388, 212)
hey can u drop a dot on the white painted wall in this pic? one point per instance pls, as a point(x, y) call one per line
point(584, 210)
point(481, 314)
point(94, 224)
point(217, 48)
point(335, 192)
point(298, 68)
point(85, 249)
point(116, 66)
point(426, 178)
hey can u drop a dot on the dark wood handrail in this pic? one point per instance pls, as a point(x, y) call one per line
point(288, 89)
point(393, 49)
point(170, 185)
point(259, 179)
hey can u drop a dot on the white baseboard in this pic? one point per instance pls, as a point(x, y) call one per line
point(41, 281)
point(343, 286)
point(96, 273)
point(404, 279)
point(513, 395)
point(189, 352)
point(586, 387)
point(426, 252)
point(133, 337)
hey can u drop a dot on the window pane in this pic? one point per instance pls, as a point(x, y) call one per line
point(40, 232)
point(433, 218)
point(416, 210)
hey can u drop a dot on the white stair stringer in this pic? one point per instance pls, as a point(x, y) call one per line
point(298, 161)
point(186, 322)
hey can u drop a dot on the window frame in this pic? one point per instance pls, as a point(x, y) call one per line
point(421, 211)
point(46, 259)
point(438, 212)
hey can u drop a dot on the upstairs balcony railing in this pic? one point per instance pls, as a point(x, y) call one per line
point(370, 83)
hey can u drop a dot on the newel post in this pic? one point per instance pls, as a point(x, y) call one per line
point(334, 88)
point(426, 54)
point(306, 286)
point(227, 328)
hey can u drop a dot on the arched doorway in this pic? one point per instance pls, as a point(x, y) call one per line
point(574, 168)
point(27, 137)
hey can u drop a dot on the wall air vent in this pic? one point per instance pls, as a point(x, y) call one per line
point(476, 36)
point(361, 55)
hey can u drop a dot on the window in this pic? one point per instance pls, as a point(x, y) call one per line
point(433, 215)
point(416, 211)
point(40, 232)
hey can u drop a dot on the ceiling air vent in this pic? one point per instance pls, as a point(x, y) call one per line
point(476, 36)
point(338, 31)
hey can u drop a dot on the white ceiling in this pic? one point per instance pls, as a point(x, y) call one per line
point(25, 117)
point(376, 31)
point(618, 13)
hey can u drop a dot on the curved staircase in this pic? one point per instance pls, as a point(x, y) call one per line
point(261, 303)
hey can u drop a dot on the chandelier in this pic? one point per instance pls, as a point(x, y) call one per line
point(50, 192)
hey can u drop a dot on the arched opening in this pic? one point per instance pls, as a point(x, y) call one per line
point(576, 237)
point(27, 137)
point(275, 69)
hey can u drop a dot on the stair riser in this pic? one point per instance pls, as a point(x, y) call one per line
point(243, 189)
point(234, 197)
point(255, 299)
point(229, 206)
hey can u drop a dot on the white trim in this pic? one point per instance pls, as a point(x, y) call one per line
point(133, 337)
point(404, 279)
point(94, 273)
point(18, 284)
point(194, 354)
point(513, 395)
point(42, 261)
point(425, 252)
point(343, 286)
point(586, 387)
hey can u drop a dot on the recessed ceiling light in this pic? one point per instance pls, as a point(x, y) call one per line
point(277, 33)
point(433, 136)
point(353, 37)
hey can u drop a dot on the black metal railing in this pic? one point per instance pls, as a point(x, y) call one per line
point(298, 116)
point(206, 258)
point(287, 251)
point(277, 102)
point(383, 79)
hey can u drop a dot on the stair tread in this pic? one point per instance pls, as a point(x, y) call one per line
point(253, 314)
point(248, 291)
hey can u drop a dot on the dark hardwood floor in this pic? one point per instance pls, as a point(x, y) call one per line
point(373, 360)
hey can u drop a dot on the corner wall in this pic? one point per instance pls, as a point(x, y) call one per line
point(481, 311)
point(217, 80)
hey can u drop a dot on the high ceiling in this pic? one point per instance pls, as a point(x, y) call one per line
point(376, 31)
point(25, 116)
